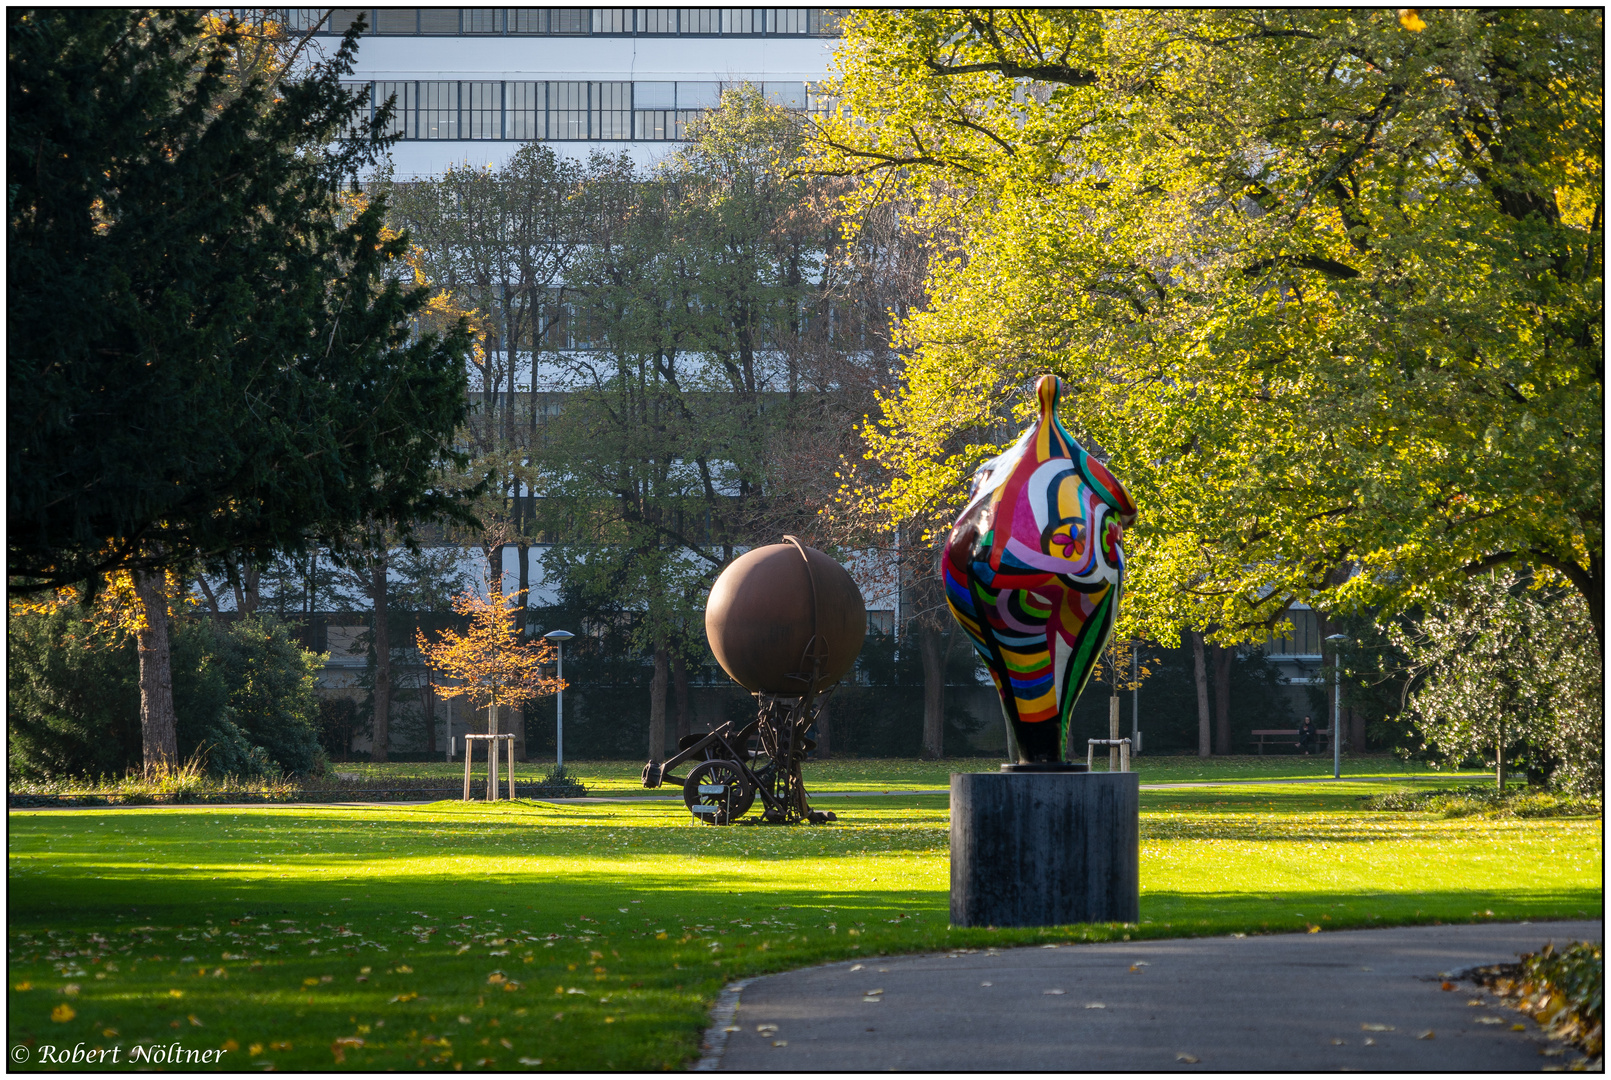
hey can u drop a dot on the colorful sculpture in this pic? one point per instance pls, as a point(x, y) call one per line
point(1033, 570)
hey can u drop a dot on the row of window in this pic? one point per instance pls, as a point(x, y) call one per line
point(772, 22)
point(559, 111)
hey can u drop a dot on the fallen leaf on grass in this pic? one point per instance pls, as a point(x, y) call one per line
point(62, 1013)
point(530, 1061)
point(400, 998)
point(23, 986)
point(195, 1022)
point(402, 969)
point(229, 1046)
point(254, 1050)
point(1313, 930)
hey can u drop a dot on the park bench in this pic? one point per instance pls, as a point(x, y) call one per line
point(1287, 737)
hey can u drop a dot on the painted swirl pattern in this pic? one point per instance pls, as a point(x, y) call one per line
point(1033, 571)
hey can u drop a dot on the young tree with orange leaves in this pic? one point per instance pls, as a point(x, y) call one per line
point(491, 662)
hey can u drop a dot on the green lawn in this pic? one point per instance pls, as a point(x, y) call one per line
point(904, 774)
point(595, 936)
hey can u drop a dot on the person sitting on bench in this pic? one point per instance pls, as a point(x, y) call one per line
point(1306, 734)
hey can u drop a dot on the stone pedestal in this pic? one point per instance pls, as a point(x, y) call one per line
point(1045, 849)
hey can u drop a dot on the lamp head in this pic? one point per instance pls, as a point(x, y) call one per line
point(559, 635)
point(1337, 639)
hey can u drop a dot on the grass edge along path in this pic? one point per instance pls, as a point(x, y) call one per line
point(598, 936)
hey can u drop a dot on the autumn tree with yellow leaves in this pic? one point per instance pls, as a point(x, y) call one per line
point(490, 663)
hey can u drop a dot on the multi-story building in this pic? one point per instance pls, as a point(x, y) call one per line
point(472, 84)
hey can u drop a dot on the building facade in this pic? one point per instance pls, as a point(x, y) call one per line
point(469, 85)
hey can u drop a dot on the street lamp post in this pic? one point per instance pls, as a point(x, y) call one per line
point(1336, 707)
point(559, 638)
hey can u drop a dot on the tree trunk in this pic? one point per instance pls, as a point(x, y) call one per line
point(523, 613)
point(1113, 727)
point(657, 704)
point(1356, 729)
point(1204, 746)
point(428, 699)
point(1499, 759)
point(1223, 659)
point(929, 643)
point(158, 731)
point(679, 693)
point(383, 659)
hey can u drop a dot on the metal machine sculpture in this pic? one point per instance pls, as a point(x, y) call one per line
point(1033, 571)
point(786, 622)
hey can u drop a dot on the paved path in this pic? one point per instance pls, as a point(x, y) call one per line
point(1347, 1000)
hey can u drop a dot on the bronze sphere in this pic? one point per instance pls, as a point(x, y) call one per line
point(779, 610)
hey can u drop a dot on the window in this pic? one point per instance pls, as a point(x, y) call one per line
point(527, 20)
point(743, 20)
point(439, 110)
point(404, 109)
point(612, 110)
point(397, 21)
point(483, 21)
point(823, 22)
point(439, 20)
point(525, 111)
point(365, 113)
point(701, 21)
point(787, 20)
point(567, 103)
point(657, 20)
point(791, 95)
point(568, 21)
point(483, 110)
point(699, 95)
point(341, 19)
point(612, 20)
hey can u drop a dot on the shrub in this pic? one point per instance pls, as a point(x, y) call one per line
point(243, 699)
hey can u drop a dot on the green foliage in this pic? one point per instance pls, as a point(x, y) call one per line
point(272, 696)
point(1486, 802)
point(243, 698)
point(183, 272)
point(1326, 287)
point(1507, 670)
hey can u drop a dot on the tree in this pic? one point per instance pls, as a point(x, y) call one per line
point(238, 374)
point(1507, 671)
point(243, 377)
point(493, 665)
point(1326, 284)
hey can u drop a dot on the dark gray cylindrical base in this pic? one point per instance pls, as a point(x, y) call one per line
point(1045, 849)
